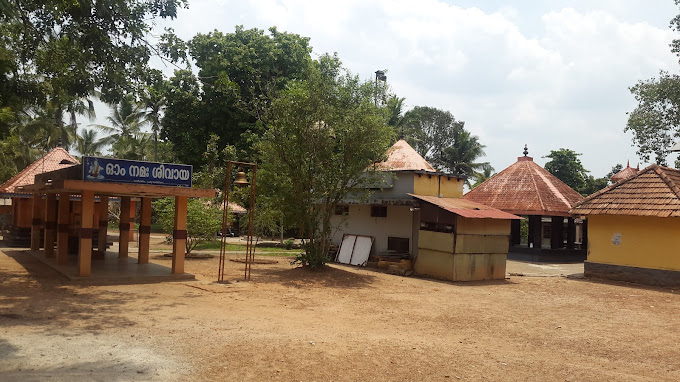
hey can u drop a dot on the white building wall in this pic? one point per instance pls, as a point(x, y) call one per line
point(398, 223)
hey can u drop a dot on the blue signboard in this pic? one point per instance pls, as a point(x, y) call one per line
point(130, 171)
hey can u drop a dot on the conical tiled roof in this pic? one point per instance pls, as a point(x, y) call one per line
point(56, 159)
point(624, 174)
point(525, 188)
point(654, 191)
point(402, 157)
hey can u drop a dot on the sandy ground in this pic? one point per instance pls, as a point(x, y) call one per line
point(337, 324)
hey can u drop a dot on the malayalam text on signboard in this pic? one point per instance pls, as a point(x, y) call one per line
point(129, 171)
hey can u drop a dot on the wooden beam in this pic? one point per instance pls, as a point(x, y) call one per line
point(50, 224)
point(102, 226)
point(144, 232)
point(124, 227)
point(36, 222)
point(179, 235)
point(86, 232)
point(62, 228)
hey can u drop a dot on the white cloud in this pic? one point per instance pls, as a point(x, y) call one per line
point(545, 74)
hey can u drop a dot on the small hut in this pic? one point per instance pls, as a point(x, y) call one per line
point(527, 189)
point(633, 228)
point(20, 203)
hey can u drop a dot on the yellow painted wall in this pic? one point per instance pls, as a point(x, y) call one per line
point(483, 226)
point(425, 184)
point(460, 267)
point(435, 185)
point(482, 244)
point(451, 187)
point(437, 241)
point(645, 242)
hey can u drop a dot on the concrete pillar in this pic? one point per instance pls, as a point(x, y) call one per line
point(584, 240)
point(556, 229)
point(62, 228)
point(50, 224)
point(86, 233)
point(179, 235)
point(535, 231)
point(571, 233)
point(144, 231)
point(515, 234)
point(103, 227)
point(36, 222)
point(124, 227)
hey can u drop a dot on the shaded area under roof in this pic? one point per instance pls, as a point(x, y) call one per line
point(56, 159)
point(402, 157)
point(525, 188)
point(654, 191)
point(466, 208)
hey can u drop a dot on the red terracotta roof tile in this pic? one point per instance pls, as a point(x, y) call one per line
point(56, 159)
point(624, 174)
point(402, 157)
point(525, 188)
point(654, 191)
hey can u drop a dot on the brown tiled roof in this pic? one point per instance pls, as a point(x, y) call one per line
point(56, 159)
point(624, 174)
point(525, 188)
point(402, 157)
point(654, 191)
point(466, 208)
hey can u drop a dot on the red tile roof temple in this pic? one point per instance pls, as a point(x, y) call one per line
point(56, 159)
point(525, 188)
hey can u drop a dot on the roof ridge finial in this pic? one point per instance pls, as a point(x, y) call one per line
point(526, 150)
point(628, 164)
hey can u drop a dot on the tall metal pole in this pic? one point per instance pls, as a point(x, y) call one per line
point(225, 224)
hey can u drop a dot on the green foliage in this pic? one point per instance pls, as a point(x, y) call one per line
point(460, 157)
point(592, 185)
point(323, 133)
point(204, 220)
point(429, 130)
point(239, 75)
point(482, 176)
point(288, 243)
point(566, 166)
point(655, 122)
point(315, 255)
point(618, 167)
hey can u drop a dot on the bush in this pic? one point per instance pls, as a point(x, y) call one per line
point(312, 257)
point(288, 243)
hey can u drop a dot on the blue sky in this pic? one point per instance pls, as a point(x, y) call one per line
point(550, 74)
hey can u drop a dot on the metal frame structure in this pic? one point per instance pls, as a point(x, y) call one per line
point(250, 246)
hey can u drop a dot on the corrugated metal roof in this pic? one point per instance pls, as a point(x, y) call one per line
point(466, 208)
point(56, 159)
point(525, 188)
point(402, 157)
point(654, 191)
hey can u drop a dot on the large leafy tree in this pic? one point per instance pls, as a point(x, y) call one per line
point(323, 134)
point(461, 157)
point(655, 122)
point(239, 73)
point(429, 130)
point(567, 167)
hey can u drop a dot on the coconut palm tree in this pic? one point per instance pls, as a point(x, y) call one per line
point(153, 103)
point(460, 158)
point(126, 119)
point(481, 176)
point(88, 144)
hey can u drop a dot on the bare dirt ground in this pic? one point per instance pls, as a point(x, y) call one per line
point(337, 324)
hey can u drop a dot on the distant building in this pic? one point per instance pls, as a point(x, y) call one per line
point(633, 228)
point(625, 173)
point(527, 189)
point(418, 212)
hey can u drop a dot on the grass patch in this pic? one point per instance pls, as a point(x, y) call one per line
point(216, 245)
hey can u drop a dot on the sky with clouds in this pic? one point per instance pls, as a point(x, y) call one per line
point(551, 74)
